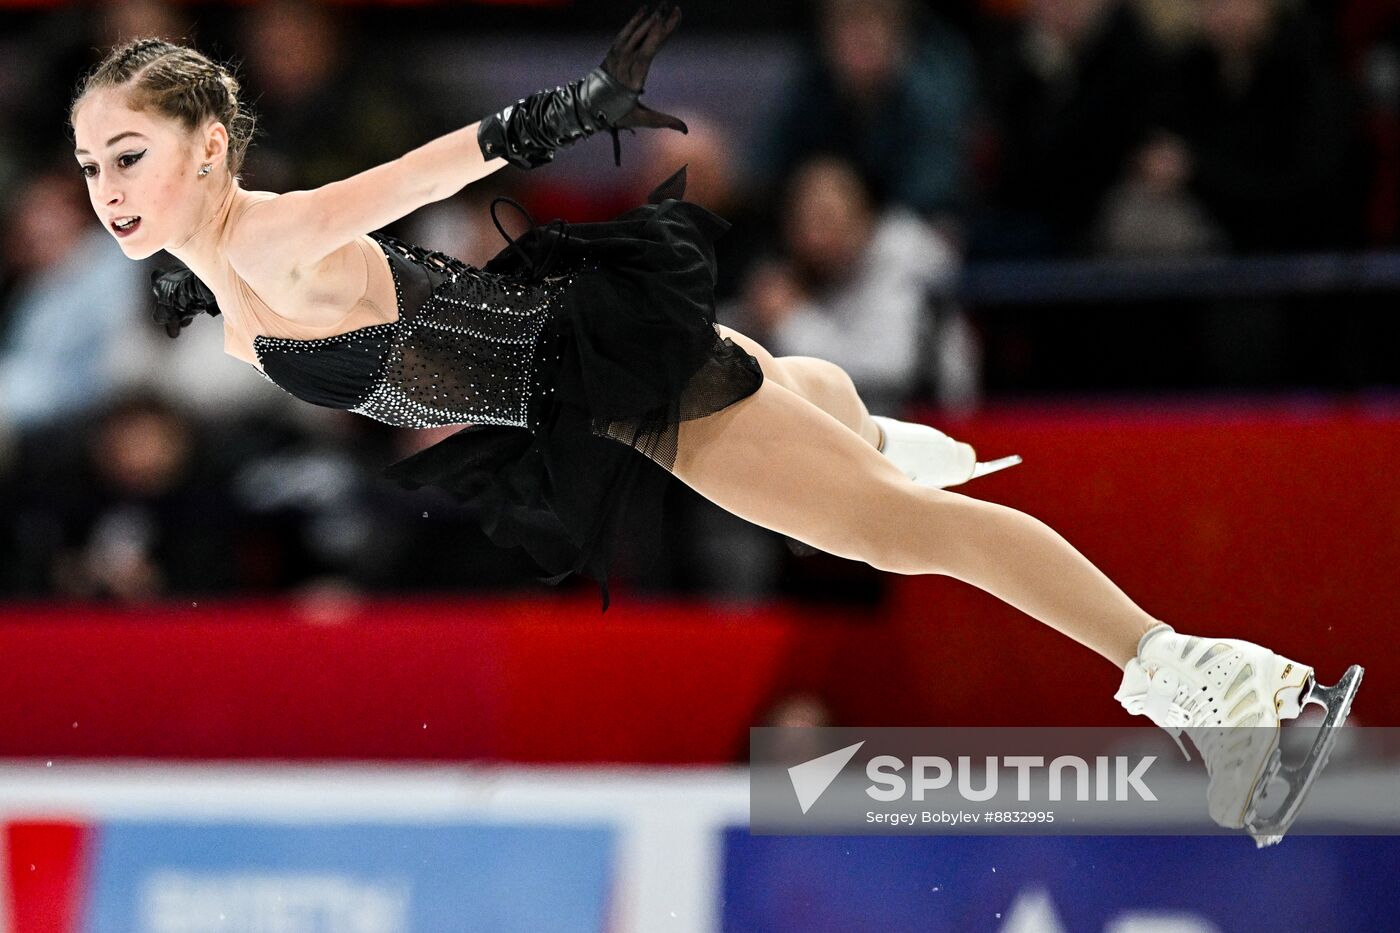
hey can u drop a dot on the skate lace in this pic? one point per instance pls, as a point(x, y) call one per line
point(1170, 703)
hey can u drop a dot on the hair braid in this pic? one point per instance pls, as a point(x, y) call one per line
point(177, 82)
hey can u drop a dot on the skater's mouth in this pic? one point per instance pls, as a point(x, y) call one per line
point(125, 226)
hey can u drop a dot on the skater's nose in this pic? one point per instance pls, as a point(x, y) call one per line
point(108, 194)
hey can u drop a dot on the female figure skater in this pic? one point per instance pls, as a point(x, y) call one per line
point(581, 348)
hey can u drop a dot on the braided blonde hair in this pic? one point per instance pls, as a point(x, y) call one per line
point(177, 82)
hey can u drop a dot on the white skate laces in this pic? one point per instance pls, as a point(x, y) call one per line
point(1230, 697)
point(925, 454)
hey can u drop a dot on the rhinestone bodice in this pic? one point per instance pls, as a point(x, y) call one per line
point(464, 349)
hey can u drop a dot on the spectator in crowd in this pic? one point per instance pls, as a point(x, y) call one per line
point(72, 292)
point(326, 97)
point(1073, 91)
point(137, 518)
point(1259, 152)
point(1370, 43)
point(890, 87)
point(852, 284)
point(1262, 132)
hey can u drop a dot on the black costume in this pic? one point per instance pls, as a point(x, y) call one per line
point(575, 343)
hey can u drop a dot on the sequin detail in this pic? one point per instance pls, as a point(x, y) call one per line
point(468, 353)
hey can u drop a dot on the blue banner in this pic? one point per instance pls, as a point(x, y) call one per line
point(169, 877)
point(1187, 884)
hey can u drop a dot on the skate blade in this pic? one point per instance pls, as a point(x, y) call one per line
point(1336, 699)
point(982, 468)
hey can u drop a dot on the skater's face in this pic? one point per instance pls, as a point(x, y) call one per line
point(149, 170)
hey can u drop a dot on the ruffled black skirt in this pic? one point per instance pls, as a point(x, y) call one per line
point(631, 353)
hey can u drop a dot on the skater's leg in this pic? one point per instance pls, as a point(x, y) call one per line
point(821, 382)
point(922, 452)
point(779, 461)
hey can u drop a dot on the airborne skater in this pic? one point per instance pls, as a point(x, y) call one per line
point(581, 351)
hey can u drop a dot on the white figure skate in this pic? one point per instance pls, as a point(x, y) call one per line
point(931, 458)
point(1230, 697)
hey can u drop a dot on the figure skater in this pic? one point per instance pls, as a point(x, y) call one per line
point(582, 350)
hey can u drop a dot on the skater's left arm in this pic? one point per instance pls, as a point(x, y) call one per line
point(300, 228)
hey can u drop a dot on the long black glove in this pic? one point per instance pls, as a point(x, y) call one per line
point(180, 297)
point(529, 131)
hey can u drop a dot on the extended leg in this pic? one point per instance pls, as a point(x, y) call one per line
point(778, 461)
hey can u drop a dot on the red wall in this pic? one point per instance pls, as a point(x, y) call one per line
point(1276, 523)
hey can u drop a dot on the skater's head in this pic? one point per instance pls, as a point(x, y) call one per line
point(145, 122)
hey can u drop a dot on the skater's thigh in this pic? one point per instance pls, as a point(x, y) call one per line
point(773, 367)
point(779, 461)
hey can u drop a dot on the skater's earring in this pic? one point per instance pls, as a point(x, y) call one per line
point(205, 170)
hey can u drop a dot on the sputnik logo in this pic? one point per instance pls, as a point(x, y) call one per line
point(811, 778)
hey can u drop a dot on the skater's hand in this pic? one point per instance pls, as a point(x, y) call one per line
point(636, 45)
point(629, 60)
point(528, 132)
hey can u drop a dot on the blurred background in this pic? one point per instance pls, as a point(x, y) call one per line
point(1153, 246)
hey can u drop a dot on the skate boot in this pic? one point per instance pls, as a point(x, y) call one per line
point(1230, 698)
point(931, 458)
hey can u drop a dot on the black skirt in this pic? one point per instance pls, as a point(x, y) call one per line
point(631, 353)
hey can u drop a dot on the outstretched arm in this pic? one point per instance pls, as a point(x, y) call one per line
point(300, 228)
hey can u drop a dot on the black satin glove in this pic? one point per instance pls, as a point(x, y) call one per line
point(180, 297)
point(528, 132)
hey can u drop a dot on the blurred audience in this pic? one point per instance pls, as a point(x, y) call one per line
point(304, 64)
point(136, 467)
point(850, 284)
point(1261, 132)
point(890, 87)
point(126, 510)
point(71, 293)
point(1073, 90)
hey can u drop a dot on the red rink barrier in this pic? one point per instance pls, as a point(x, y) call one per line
point(1278, 523)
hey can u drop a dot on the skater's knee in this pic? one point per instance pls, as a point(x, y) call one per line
point(912, 533)
point(816, 379)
